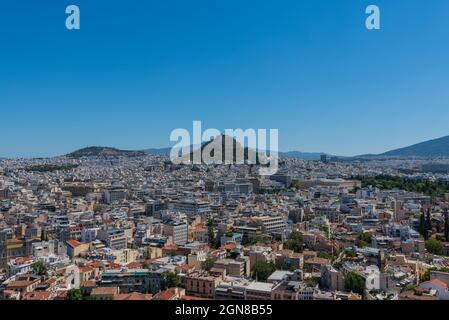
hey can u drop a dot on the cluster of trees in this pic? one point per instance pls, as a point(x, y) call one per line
point(39, 268)
point(426, 275)
point(325, 255)
point(44, 236)
point(446, 225)
point(214, 242)
point(434, 246)
point(430, 188)
point(262, 270)
point(295, 184)
point(234, 254)
point(76, 294)
point(312, 281)
point(208, 263)
point(409, 287)
point(170, 280)
point(325, 229)
point(350, 253)
point(295, 242)
point(425, 225)
point(363, 239)
point(260, 239)
point(425, 229)
point(354, 282)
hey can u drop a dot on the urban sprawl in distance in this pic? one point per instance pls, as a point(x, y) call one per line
point(105, 224)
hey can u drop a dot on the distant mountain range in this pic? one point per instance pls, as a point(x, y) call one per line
point(104, 152)
point(431, 148)
point(301, 155)
point(158, 151)
point(428, 149)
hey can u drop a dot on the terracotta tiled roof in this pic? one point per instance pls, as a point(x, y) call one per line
point(85, 269)
point(16, 284)
point(73, 243)
point(134, 265)
point(438, 283)
point(112, 265)
point(230, 246)
point(62, 294)
point(194, 298)
point(95, 264)
point(133, 296)
point(22, 260)
point(170, 247)
point(45, 295)
point(165, 295)
point(104, 290)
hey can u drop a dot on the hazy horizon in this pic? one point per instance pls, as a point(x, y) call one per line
point(197, 146)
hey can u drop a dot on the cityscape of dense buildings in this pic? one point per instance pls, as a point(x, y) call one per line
point(141, 228)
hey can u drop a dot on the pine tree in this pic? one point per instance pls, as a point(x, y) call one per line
point(428, 221)
point(44, 236)
point(446, 225)
point(422, 226)
point(214, 242)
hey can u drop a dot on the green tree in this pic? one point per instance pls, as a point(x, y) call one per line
point(261, 239)
point(324, 255)
point(208, 263)
point(295, 242)
point(146, 254)
point(434, 246)
point(74, 294)
point(428, 221)
point(446, 225)
point(423, 227)
point(354, 282)
point(262, 270)
point(374, 292)
point(409, 287)
point(213, 241)
point(170, 280)
point(295, 184)
point(229, 234)
point(325, 229)
point(44, 236)
point(312, 281)
point(39, 268)
point(350, 253)
point(430, 188)
point(363, 239)
point(234, 254)
point(425, 276)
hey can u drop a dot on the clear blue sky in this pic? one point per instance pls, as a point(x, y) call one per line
point(139, 69)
